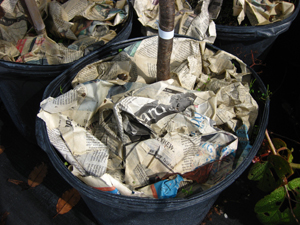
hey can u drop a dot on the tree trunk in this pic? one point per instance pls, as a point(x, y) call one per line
point(165, 39)
point(35, 16)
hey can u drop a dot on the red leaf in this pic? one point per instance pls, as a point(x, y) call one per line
point(68, 200)
point(17, 182)
point(37, 175)
point(1, 149)
point(200, 175)
point(20, 183)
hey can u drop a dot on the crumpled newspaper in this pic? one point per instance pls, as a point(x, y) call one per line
point(14, 22)
point(74, 28)
point(81, 19)
point(262, 12)
point(151, 139)
point(197, 22)
point(44, 51)
point(8, 51)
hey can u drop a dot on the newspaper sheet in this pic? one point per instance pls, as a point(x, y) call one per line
point(8, 51)
point(197, 22)
point(76, 19)
point(74, 28)
point(262, 12)
point(13, 24)
point(44, 51)
point(160, 133)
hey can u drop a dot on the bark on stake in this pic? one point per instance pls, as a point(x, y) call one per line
point(35, 16)
point(165, 38)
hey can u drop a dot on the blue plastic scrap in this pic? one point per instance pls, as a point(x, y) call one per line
point(166, 188)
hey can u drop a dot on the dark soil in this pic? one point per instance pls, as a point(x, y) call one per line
point(226, 16)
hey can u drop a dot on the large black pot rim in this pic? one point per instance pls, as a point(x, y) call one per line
point(136, 203)
point(263, 31)
point(29, 70)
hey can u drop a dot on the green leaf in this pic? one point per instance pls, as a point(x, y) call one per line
point(271, 210)
point(281, 166)
point(290, 156)
point(287, 153)
point(278, 143)
point(270, 174)
point(257, 171)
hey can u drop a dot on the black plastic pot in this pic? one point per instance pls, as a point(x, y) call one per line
point(22, 85)
point(251, 42)
point(116, 209)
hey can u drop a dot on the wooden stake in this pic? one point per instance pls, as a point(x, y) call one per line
point(35, 16)
point(165, 38)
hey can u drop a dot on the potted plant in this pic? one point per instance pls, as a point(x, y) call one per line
point(132, 208)
point(246, 39)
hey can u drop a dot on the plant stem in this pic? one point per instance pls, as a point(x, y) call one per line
point(290, 204)
point(279, 135)
point(295, 165)
point(165, 44)
point(35, 16)
point(270, 143)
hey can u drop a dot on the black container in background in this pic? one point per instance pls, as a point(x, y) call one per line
point(114, 209)
point(22, 85)
point(246, 42)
